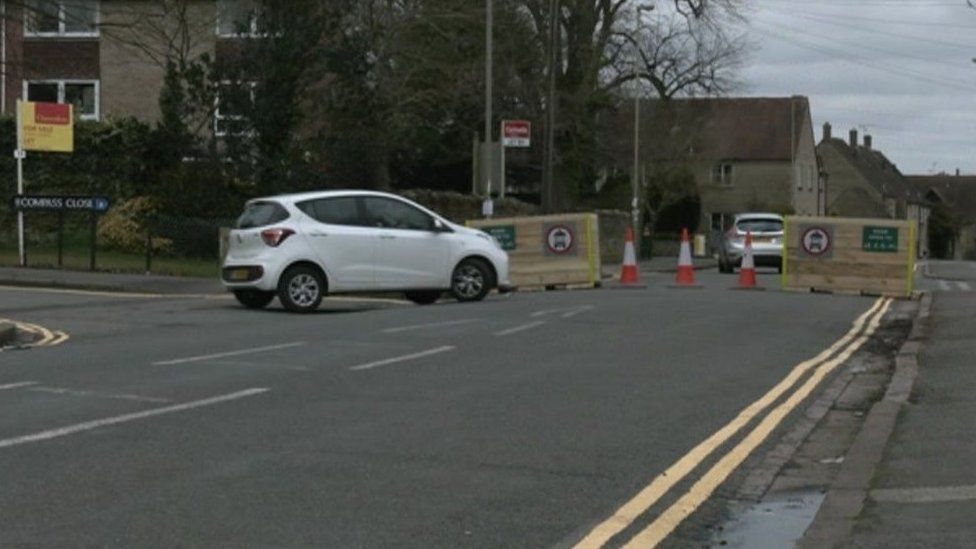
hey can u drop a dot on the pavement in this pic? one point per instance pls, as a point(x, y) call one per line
point(924, 490)
point(112, 282)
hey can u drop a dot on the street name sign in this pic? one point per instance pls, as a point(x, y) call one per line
point(97, 204)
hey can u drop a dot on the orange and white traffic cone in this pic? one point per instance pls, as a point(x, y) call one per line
point(629, 273)
point(686, 269)
point(747, 272)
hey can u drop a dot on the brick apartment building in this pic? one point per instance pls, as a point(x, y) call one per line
point(106, 56)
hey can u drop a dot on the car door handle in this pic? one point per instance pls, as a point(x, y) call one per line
point(387, 236)
point(318, 233)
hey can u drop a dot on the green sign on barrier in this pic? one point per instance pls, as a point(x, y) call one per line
point(504, 234)
point(880, 239)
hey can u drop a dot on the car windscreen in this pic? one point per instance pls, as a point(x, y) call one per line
point(771, 225)
point(260, 214)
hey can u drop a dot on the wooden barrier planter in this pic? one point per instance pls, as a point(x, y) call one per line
point(865, 256)
point(551, 250)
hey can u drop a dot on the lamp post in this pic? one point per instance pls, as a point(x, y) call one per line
point(487, 207)
point(635, 201)
point(635, 175)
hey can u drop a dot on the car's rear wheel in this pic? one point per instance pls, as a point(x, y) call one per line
point(472, 280)
point(724, 267)
point(423, 297)
point(301, 289)
point(254, 299)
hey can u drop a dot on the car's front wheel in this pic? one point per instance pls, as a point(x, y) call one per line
point(472, 280)
point(254, 299)
point(301, 289)
point(423, 297)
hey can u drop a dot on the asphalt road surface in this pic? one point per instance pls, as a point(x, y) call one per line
point(523, 421)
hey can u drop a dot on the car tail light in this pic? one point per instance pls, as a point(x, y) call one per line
point(274, 237)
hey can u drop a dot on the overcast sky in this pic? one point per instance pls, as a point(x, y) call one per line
point(901, 69)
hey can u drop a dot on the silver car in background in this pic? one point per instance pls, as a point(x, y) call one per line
point(767, 241)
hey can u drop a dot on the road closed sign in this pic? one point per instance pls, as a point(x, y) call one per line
point(47, 127)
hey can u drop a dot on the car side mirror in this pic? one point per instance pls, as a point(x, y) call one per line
point(441, 227)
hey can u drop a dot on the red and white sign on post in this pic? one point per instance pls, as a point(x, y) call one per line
point(516, 133)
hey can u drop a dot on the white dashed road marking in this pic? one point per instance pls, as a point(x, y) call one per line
point(84, 393)
point(17, 385)
point(427, 326)
point(404, 358)
point(521, 328)
point(125, 418)
point(202, 358)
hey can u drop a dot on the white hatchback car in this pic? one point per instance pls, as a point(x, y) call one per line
point(299, 247)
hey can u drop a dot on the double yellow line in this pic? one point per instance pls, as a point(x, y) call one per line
point(661, 527)
point(45, 337)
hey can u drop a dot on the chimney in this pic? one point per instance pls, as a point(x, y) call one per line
point(826, 131)
point(867, 141)
point(957, 172)
point(853, 141)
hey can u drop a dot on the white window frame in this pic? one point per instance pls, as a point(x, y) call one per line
point(252, 31)
point(61, 82)
point(218, 117)
point(723, 179)
point(62, 32)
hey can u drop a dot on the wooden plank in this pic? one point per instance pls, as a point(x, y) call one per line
point(863, 270)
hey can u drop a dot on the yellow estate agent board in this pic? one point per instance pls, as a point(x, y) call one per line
point(47, 127)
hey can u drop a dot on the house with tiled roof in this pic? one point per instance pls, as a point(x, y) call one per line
point(860, 181)
point(958, 194)
point(746, 153)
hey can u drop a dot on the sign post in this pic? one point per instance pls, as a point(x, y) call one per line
point(40, 127)
point(515, 133)
point(94, 205)
point(20, 154)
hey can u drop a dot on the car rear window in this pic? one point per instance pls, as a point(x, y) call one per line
point(760, 225)
point(260, 214)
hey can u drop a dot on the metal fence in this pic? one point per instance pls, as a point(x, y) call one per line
point(160, 243)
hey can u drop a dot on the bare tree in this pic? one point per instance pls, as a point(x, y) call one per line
point(689, 51)
point(678, 55)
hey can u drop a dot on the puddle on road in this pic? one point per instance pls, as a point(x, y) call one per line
point(774, 523)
